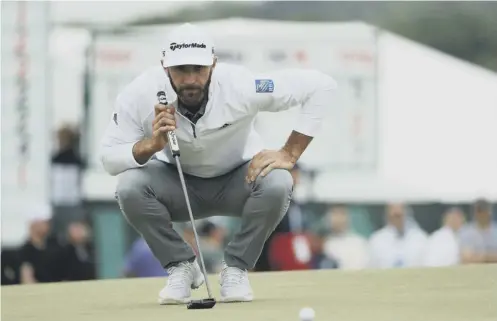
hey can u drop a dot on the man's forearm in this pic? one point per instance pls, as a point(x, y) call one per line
point(470, 257)
point(27, 275)
point(144, 150)
point(296, 145)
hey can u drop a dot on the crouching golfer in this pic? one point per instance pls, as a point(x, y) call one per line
point(212, 109)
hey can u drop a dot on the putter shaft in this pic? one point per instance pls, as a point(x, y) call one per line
point(175, 151)
point(183, 184)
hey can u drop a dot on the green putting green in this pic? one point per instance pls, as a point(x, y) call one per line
point(430, 294)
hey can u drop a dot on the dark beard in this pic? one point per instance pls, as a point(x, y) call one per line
point(205, 95)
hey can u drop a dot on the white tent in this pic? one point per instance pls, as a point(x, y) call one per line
point(408, 122)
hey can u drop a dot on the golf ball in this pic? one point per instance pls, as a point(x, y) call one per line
point(307, 314)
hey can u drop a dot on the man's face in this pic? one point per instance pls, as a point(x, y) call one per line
point(78, 233)
point(396, 216)
point(190, 82)
point(65, 136)
point(218, 234)
point(454, 219)
point(40, 228)
point(338, 219)
point(483, 216)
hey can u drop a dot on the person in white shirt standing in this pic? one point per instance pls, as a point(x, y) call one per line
point(212, 109)
point(443, 244)
point(344, 245)
point(401, 243)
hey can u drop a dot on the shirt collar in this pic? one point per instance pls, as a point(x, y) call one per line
point(185, 112)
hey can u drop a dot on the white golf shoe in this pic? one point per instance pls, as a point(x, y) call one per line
point(235, 286)
point(182, 278)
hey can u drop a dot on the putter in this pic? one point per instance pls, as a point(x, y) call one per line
point(174, 147)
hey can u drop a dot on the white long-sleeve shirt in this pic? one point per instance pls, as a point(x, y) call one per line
point(387, 249)
point(224, 136)
point(442, 248)
point(349, 249)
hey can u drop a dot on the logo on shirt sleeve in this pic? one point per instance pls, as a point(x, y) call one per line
point(264, 86)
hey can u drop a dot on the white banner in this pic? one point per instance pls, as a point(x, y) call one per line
point(26, 137)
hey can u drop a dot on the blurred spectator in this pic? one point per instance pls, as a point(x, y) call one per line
point(212, 245)
point(39, 255)
point(189, 236)
point(346, 248)
point(66, 181)
point(443, 245)
point(292, 222)
point(10, 266)
point(319, 259)
point(76, 260)
point(479, 238)
point(290, 251)
point(401, 243)
point(141, 263)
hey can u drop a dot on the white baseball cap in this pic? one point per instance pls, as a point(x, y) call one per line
point(39, 213)
point(188, 45)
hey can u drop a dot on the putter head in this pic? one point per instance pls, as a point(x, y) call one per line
point(201, 304)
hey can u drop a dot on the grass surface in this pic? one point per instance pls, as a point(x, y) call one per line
point(443, 294)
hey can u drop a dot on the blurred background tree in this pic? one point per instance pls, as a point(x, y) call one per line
point(463, 29)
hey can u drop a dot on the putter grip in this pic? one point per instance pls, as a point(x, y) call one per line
point(172, 140)
point(173, 143)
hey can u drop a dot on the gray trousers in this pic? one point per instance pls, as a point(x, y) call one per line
point(151, 198)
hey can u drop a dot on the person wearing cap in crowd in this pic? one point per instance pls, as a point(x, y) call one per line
point(212, 108)
point(478, 239)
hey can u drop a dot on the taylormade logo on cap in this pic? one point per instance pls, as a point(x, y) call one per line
point(188, 45)
point(173, 46)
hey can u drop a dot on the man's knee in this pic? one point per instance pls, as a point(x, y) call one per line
point(132, 185)
point(277, 184)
